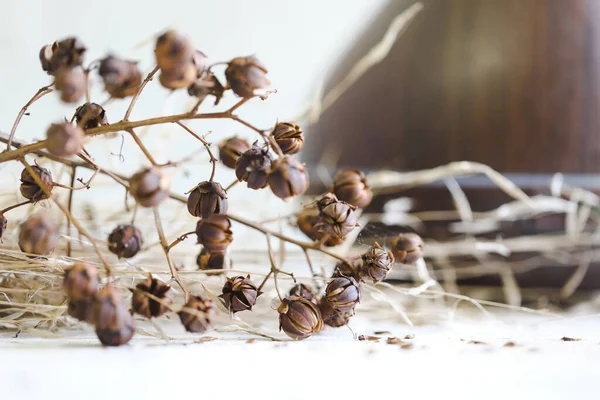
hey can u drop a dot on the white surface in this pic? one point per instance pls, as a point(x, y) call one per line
point(334, 366)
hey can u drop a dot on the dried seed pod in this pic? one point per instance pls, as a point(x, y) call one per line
point(46, 58)
point(81, 281)
point(30, 189)
point(207, 85)
point(206, 199)
point(309, 223)
point(3, 223)
point(253, 166)
point(239, 294)
point(245, 75)
point(149, 307)
point(67, 53)
point(299, 318)
point(200, 62)
point(344, 269)
point(90, 115)
point(351, 186)
point(207, 260)
point(333, 317)
point(114, 323)
point(343, 293)
point(178, 78)
point(407, 248)
point(327, 199)
point(231, 149)
point(289, 137)
point(288, 178)
point(125, 241)
point(71, 83)
point(38, 235)
point(302, 290)
point(83, 310)
point(64, 139)
point(121, 78)
point(201, 319)
point(214, 233)
point(377, 264)
point(338, 219)
point(173, 51)
point(149, 187)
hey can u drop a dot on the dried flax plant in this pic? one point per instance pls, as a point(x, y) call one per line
point(48, 285)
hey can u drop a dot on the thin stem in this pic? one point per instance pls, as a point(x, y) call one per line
point(262, 284)
point(15, 206)
point(39, 94)
point(213, 159)
point(60, 185)
point(238, 105)
point(68, 214)
point(312, 270)
point(180, 239)
point(136, 96)
point(70, 208)
point(274, 268)
point(142, 147)
point(165, 246)
point(232, 184)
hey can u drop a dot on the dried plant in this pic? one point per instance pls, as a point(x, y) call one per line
point(269, 164)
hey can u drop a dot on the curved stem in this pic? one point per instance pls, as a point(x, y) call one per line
point(165, 246)
point(213, 159)
point(140, 144)
point(15, 206)
point(40, 93)
point(136, 96)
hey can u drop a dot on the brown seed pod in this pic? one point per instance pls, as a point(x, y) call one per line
point(71, 83)
point(344, 269)
point(200, 61)
point(206, 199)
point(83, 310)
point(332, 317)
point(67, 53)
point(288, 178)
point(173, 51)
point(343, 293)
point(178, 78)
point(350, 185)
point(245, 75)
point(239, 294)
point(201, 319)
point(253, 166)
point(30, 189)
point(309, 223)
point(114, 323)
point(207, 85)
point(407, 248)
point(207, 260)
point(122, 78)
point(64, 139)
point(147, 306)
point(90, 115)
point(38, 235)
point(214, 233)
point(289, 137)
point(231, 149)
point(302, 290)
point(327, 199)
point(149, 187)
point(81, 281)
point(338, 219)
point(377, 264)
point(3, 223)
point(299, 318)
point(125, 241)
